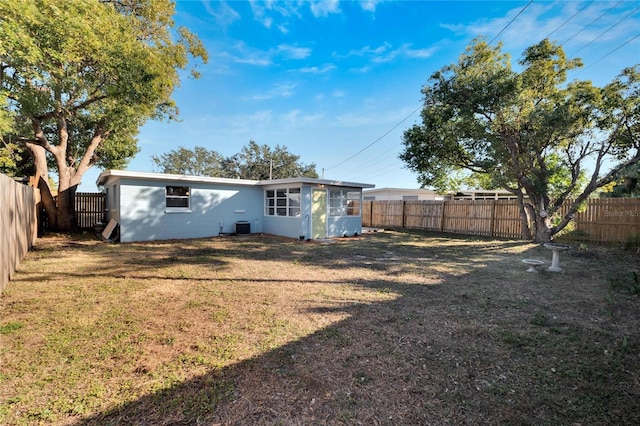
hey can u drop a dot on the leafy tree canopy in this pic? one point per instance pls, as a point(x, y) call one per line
point(627, 184)
point(254, 162)
point(530, 131)
point(197, 162)
point(78, 78)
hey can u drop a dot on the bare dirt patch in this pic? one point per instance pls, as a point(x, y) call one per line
point(387, 328)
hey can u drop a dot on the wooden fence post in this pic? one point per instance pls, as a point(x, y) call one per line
point(493, 218)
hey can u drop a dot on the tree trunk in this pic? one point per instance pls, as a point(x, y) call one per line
point(543, 230)
point(65, 213)
point(42, 178)
point(524, 217)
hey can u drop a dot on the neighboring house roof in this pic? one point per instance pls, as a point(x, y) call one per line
point(401, 190)
point(425, 194)
point(104, 177)
point(401, 193)
point(482, 194)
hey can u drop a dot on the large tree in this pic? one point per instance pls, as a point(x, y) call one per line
point(549, 141)
point(199, 161)
point(260, 162)
point(80, 77)
point(256, 162)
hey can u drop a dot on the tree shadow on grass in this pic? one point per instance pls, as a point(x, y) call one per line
point(493, 345)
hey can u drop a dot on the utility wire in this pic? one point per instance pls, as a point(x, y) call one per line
point(607, 30)
point(375, 141)
point(591, 23)
point(510, 22)
point(610, 53)
point(572, 16)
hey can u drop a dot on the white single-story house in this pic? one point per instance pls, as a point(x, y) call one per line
point(158, 206)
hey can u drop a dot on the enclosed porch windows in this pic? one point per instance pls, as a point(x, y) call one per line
point(344, 202)
point(282, 202)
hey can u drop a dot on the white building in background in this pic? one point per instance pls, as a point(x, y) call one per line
point(404, 194)
point(399, 194)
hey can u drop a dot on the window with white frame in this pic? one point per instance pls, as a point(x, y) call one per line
point(282, 202)
point(178, 198)
point(344, 202)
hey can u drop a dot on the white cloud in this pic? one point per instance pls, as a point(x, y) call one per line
point(541, 20)
point(293, 52)
point(369, 5)
point(280, 90)
point(318, 70)
point(224, 15)
point(264, 11)
point(240, 53)
point(323, 8)
point(252, 57)
point(369, 51)
point(294, 119)
point(404, 51)
point(386, 53)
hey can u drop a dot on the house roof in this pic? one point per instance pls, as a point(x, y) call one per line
point(104, 177)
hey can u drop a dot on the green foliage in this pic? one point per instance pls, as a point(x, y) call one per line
point(10, 327)
point(255, 162)
point(78, 78)
point(530, 132)
point(627, 286)
point(627, 184)
point(633, 242)
point(197, 162)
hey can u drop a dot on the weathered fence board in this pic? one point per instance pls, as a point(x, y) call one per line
point(18, 224)
point(602, 220)
point(89, 207)
point(608, 220)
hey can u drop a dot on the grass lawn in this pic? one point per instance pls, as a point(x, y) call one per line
point(388, 328)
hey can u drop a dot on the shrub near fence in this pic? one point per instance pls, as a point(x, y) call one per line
point(608, 220)
point(18, 224)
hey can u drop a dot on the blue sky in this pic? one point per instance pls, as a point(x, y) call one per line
point(337, 82)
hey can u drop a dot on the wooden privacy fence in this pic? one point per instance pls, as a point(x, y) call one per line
point(603, 220)
point(89, 209)
point(18, 224)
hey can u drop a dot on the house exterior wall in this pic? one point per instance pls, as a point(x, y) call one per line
point(138, 202)
point(342, 226)
point(292, 227)
point(214, 209)
point(300, 227)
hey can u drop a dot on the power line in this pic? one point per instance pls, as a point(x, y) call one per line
point(610, 53)
point(375, 141)
point(607, 30)
point(511, 22)
point(591, 23)
point(572, 16)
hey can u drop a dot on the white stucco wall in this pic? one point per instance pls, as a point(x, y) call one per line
point(214, 209)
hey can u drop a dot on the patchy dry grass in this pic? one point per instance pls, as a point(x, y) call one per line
point(389, 328)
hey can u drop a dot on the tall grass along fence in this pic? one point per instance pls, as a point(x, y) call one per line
point(606, 220)
point(18, 224)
